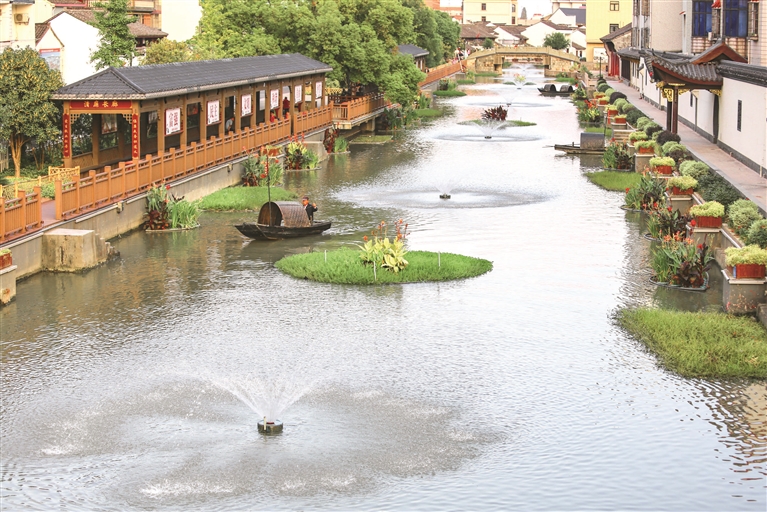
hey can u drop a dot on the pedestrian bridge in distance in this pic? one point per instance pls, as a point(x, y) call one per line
point(493, 58)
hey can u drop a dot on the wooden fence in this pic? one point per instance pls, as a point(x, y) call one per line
point(21, 214)
point(130, 178)
point(54, 173)
point(347, 108)
point(441, 72)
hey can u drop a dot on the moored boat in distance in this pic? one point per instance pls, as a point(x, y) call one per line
point(282, 219)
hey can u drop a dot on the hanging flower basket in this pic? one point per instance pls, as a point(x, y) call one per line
point(748, 271)
point(681, 192)
point(708, 222)
point(663, 169)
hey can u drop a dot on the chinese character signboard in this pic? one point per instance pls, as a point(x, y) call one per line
point(318, 90)
point(172, 121)
point(247, 104)
point(297, 95)
point(214, 112)
point(66, 136)
point(100, 105)
point(275, 99)
point(134, 135)
point(108, 123)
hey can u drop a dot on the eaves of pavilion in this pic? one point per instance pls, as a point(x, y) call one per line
point(675, 74)
point(139, 111)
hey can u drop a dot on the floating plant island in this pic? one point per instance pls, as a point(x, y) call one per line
point(500, 124)
point(344, 266)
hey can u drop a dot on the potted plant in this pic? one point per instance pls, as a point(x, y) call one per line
point(636, 136)
point(598, 95)
point(645, 147)
point(746, 262)
point(6, 259)
point(619, 119)
point(662, 164)
point(612, 110)
point(708, 215)
point(682, 185)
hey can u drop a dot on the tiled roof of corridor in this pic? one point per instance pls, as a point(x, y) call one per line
point(161, 80)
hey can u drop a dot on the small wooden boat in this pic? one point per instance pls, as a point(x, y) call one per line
point(282, 219)
point(575, 149)
point(551, 90)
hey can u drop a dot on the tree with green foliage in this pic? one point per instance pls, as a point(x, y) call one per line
point(450, 33)
point(357, 38)
point(556, 40)
point(488, 43)
point(26, 109)
point(166, 51)
point(425, 31)
point(117, 46)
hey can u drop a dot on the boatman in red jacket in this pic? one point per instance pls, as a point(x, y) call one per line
point(310, 208)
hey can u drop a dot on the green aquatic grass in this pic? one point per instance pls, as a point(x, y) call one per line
point(465, 81)
point(709, 345)
point(344, 266)
point(486, 73)
point(509, 122)
point(371, 139)
point(243, 198)
point(428, 112)
point(449, 93)
point(614, 180)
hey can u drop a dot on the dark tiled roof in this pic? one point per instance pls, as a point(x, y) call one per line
point(617, 33)
point(554, 25)
point(718, 52)
point(40, 30)
point(137, 30)
point(411, 49)
point(742, 72)
point(683, 71)
point(580, 14)
point(162, 80)
point(476, 31)
point(630, 54)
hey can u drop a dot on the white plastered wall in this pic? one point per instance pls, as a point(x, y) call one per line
point(79, 41)
point(750, 141)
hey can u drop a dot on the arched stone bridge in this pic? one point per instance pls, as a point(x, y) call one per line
point(492, 59)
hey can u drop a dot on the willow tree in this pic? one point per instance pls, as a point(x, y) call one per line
point(26, 109)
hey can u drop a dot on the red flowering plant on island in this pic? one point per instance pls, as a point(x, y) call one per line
point(261, 168)
point(666, 222)
point(384, 252)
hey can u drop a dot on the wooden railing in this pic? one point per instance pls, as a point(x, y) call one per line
point(100, 188)
point(349, 108)
point(54, 173)
point(313, 119)
point(130, 178)
point(21, 215)
point(441, 72)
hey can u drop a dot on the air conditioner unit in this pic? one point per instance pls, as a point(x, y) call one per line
point(21, 18)
point(710, 36)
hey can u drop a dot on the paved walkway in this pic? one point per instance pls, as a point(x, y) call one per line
point(744, 179)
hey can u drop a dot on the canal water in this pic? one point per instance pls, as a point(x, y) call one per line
point(138, 385)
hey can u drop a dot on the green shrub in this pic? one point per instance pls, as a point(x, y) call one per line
point(619, 103)
point(642, 122)
point(742, 213)
point(633, 115)
point(708, 209)
point(616, 95)
point(694, 169)
point(602, 87)
point(715, 188)
point(341, 145)
point(661, 160)
point(451, 93)
point(651, 130)
point(683, 182)
point(757, 234)
point(670, 146)
point(666, 136)
point(609, 92)
point(637, 136)
point(748, 255)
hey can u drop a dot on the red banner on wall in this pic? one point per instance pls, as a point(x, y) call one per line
point(100, 105)
point(134, 135)
point(66, 136)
